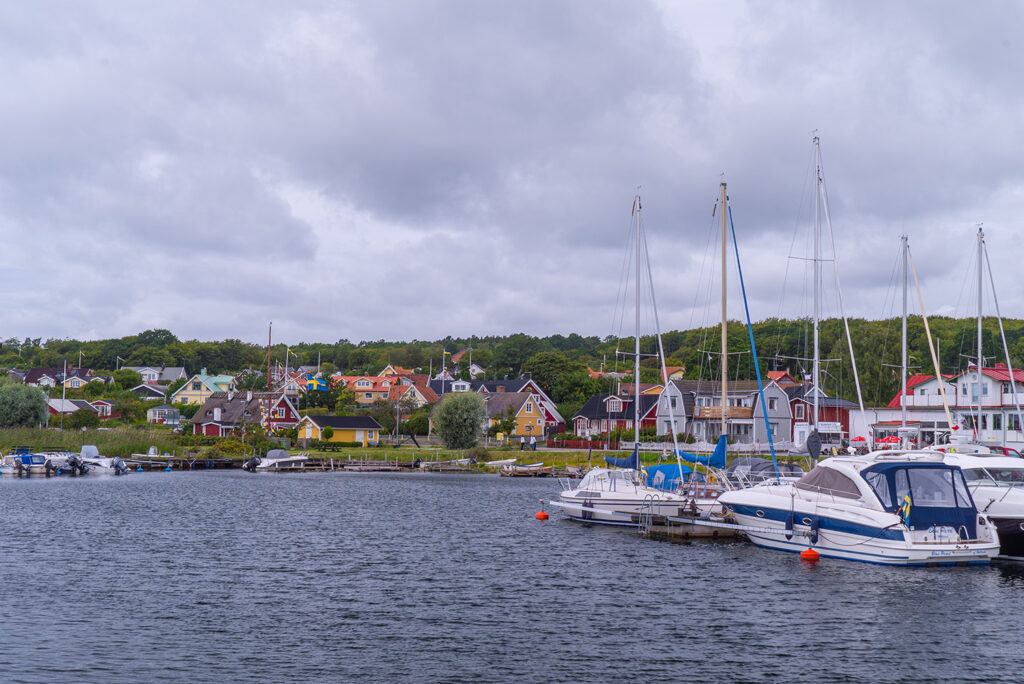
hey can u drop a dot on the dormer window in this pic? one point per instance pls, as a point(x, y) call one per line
point(614, 405)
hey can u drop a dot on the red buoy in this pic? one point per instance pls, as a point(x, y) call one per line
point(542, 515)
point(810, 555)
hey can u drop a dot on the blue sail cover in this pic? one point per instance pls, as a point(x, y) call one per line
point(631, 462)
point(665, 476)
point(715, 460)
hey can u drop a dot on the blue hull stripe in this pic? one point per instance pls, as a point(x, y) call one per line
point(824, 524)
point(863, 557)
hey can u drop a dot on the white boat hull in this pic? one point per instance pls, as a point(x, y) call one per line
point(885, 542)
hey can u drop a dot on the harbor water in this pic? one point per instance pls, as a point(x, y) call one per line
point(224, 576)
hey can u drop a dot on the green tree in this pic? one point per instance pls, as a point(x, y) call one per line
point(459, 419)
point(126, 378)
point(506, 423)
point(327, 433)
point(21, 406)
point(82, 418)
point(346, 404)
point(175, 386)
point(546, 367)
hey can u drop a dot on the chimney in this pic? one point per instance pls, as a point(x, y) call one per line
point(231, 395)
point(216, 415)
point(248, 396)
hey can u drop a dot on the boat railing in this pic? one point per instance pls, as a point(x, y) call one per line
point(569, 483)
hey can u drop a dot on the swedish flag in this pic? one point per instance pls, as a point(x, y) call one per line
point(318, 384)
point(905, 510)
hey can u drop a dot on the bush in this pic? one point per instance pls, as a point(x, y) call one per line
point(327, 433)
point(478, 452)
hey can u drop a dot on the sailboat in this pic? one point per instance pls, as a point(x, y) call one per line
point(625, 491)
point(895, 507)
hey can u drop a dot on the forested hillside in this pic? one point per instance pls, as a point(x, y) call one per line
point(782, 344)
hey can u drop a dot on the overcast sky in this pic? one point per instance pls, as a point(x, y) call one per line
point(410, 170)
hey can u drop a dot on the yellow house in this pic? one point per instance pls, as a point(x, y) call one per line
point(359, 429)
point(529, 416)
point(201, 387)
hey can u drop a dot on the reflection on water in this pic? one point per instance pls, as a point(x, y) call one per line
point(227, 576)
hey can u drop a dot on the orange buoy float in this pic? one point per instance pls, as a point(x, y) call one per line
point(542, 515)
point(810, 555)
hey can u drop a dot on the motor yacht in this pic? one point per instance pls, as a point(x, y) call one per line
point(890, 507)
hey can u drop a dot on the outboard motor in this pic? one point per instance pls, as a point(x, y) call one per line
point(77, 466)
point(251, 464)
point(119, 466)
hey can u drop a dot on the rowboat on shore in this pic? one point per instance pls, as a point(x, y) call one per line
point(528, 470)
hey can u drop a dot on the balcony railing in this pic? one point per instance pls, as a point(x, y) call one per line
point(715, 412)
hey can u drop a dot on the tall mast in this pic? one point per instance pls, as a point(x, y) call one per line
point(903, 367)
point(270, 327)
point(815, 378)
point(981, 358)
point(636, 357)
point(725, 338)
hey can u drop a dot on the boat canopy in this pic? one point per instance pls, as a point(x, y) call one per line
point(937, 493)
point(828, 481)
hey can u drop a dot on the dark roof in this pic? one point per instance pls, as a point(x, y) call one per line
point(151, 390)
point(714, 386)
point(83, 404)
point(594, 408)
point(235, 407)
point(499, 402)
point(498, 386)
point(346, 422)
point(801, 392)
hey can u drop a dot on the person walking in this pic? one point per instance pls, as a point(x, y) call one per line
point(522, 442)
point(533, 443)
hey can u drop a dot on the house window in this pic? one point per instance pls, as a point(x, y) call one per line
point(798, 412)
point(963, 389)
point(920, 392)
point(369, 395)
point(196, 386)
point(529, 408)
point(775, 429)
point(279, 412)
point(772, 404)
point(362, 383)
point(997, 421)
point(614, 405)
point(1006, 388)
point(539, 422)
point(672, 402)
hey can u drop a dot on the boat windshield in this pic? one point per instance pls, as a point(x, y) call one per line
point(938, 488)
point(998, 477)
point(601, 480)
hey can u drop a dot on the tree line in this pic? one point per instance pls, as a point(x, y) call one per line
point(558, 363)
